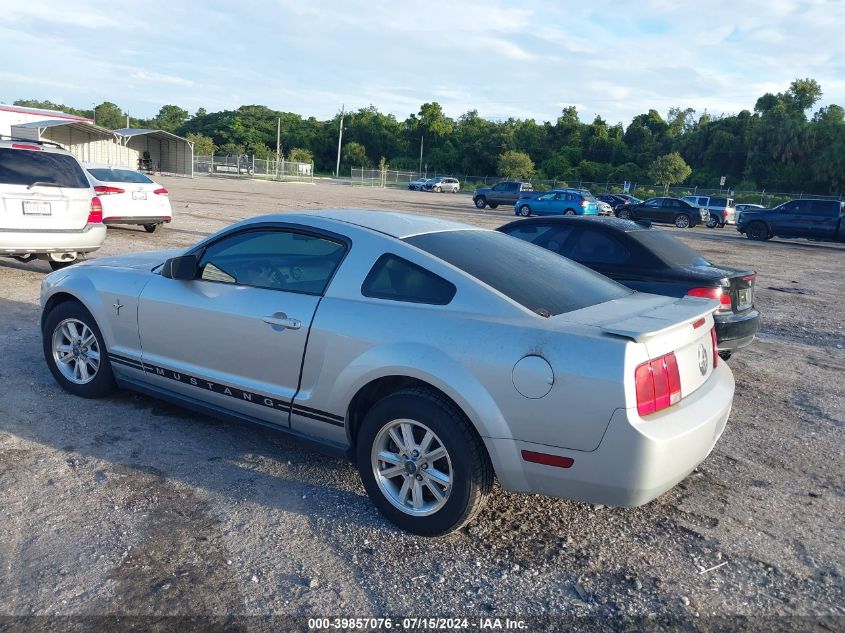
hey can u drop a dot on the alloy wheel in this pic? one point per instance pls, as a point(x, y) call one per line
point(76, 351)
point(412, 467)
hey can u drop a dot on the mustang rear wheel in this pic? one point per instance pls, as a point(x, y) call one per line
point(75, 352)
point(422, 463)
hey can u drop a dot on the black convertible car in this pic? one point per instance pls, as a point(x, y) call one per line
point(650, 260)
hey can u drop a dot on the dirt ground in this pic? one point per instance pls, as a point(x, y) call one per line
point(129, 506)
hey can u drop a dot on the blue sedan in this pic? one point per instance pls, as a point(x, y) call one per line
point(557, 202)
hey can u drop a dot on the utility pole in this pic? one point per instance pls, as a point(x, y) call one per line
point(339, 140)
point(278, 143)
point(421, 150)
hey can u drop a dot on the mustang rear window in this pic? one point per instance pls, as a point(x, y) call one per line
point(26, 167)
point(536, 278)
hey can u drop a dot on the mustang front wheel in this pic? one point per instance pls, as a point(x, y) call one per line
point(75, 352)
point(422, 463)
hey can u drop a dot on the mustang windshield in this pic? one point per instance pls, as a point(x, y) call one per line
point(532, 276)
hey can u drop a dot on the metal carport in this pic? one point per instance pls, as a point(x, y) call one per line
point(88, 142)
point(167, 152)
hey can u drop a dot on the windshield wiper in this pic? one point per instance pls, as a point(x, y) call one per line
point(41, 183)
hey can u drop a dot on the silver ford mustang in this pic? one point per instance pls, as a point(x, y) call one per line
point(434, 354)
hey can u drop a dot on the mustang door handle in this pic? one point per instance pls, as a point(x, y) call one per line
point(281, 322)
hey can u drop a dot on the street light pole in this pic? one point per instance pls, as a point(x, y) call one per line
point(421, 150)
point(339, 140)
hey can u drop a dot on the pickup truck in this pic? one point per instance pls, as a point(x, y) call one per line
point(806, 217)
point(505, 192)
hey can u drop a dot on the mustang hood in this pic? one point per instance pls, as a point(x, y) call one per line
point(143, 261)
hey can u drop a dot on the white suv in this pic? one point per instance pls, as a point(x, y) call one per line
point(48, 209)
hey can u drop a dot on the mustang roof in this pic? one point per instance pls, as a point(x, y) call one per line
point(395, 224)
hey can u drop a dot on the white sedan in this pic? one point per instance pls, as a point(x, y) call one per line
point(130, 197)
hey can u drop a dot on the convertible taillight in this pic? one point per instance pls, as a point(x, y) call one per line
point(95, 215)
point(102, 190)
point(718, 294)
point(658, 384)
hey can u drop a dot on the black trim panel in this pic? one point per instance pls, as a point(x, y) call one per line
point(226, 390)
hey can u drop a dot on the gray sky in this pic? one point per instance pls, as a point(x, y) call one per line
point(521, 59)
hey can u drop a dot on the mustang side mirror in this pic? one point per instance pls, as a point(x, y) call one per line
point(184, 268)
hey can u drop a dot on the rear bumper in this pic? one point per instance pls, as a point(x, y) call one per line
point(638, 459)
point(735, 331)
point(139, 219)
point(52, 241)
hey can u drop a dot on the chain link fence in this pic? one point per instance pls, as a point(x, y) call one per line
point(248, 166)
point(469, 183)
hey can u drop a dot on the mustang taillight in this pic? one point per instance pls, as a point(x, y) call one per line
point(160, 192)
point(715, 347)
point(718, 294)
point(95, 215)
point(658, 384)
point(102, 190)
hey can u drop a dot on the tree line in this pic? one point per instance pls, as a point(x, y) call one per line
point(783, 144)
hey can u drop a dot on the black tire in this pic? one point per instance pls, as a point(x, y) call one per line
point(103, 382)
point(712, 222)
point(151, 228)
point(493, 206)
point(471, 468)
point(624, 214)
point(525, 211)
point(683, 221)
point(569, 212)
point(54, 265)
point(481, 202)
point(757, 231)
point(725, 355)
point(438, 189)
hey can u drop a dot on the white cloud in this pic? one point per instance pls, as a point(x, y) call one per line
point(613, 58)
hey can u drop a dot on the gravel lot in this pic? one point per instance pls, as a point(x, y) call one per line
point(129, 506)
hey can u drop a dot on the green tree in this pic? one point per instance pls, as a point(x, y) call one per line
point(513, 164)
point(355, 155)
point(109, 115)
point(669, 168)
point(203, 145)
point(170, 118)
point(300, 155)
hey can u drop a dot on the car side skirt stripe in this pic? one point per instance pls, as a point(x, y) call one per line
point(226, 390)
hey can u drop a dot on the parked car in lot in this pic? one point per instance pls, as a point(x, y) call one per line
point(129, 197)
point(556, 202)
point(48, 209)
point(667, 210)
point(441, 184)
point(505, 192)
point(746, 207)
point(806, 217)
point(417, 185)
point(612, 199)
point(651, 260)
point(721, 209)
point(604, 208)
point(433, 354)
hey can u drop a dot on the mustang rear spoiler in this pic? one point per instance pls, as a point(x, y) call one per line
point(660, 319)
point(641, 316)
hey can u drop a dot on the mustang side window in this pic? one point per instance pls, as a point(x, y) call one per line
point(397, 279)
point(273, 259)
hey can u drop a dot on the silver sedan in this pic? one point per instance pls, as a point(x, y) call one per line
point(433, 354)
